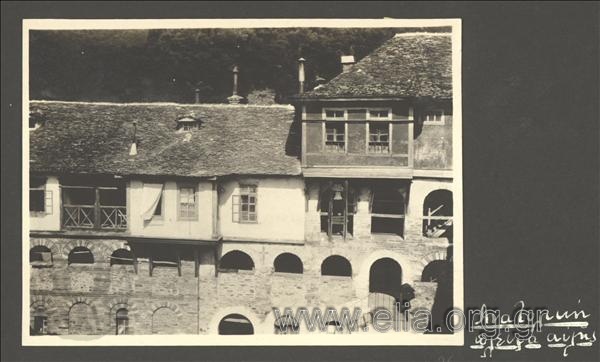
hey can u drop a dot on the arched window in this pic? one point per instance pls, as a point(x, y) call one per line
point(121, 257)
point(235, 260)
point(288, 263)
point(122, 321)
point(437, 214)
point(337, 266)
point(81, 255)
point(387, 211)
point(235, 324)
point(39, 325)
point(40, 256)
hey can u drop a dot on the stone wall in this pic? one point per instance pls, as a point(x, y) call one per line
point(83, 299)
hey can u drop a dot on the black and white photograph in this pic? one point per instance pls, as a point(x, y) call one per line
point(303, 181)
point(250, 180)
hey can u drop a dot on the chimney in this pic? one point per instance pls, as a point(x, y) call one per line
point(197, 92)
point(235, 98)
point(133, 149)
point(301, 74)
point(347, 62)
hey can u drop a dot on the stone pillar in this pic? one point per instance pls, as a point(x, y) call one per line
point(362, 218)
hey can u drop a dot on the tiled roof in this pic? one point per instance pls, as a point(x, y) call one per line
point(95, 138)
point(408, 65)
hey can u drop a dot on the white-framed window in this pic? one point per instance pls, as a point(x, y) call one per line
point(433, 117)
point(334, 114)
point(244, 205)
point(383, 114)
point(187, 203)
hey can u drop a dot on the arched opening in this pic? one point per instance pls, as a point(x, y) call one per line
point(336, 265)
point(437, 214)
point(121, 257)
point(385, 285)
point(40, 256)
point(234, 261)
point(440, 272)
point(39, 322)
point(165, 321)
point(288, 263)
point(122, 321)
point(235, 324)
point(81, 255)
point(337, 206)
point(387, 211)
point(82, 319)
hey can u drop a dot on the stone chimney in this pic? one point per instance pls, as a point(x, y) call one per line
point(301, 75)
point(347, 62)
point(235, 98)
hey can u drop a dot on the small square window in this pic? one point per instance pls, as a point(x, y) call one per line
point(334, 114)
point(379, 113)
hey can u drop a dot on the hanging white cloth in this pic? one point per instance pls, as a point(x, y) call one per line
point(151, 194)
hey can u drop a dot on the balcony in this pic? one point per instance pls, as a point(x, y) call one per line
point(94, 207)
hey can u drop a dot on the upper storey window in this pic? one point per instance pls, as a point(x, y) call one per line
point(379, 137)
point(335, 137)
point(380, 114)
point(334, 114)
point(433, 117)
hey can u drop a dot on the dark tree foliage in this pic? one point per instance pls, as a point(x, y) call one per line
point(170, 64)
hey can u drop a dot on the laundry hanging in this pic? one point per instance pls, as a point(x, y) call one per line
point(151, 194)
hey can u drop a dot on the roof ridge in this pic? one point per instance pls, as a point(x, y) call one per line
point(215, 105)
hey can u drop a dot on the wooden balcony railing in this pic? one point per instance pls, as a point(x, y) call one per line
point(95, 217)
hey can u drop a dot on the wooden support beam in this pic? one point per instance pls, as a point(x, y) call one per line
point(345, 208)
point(178, 256)
point(150, 265)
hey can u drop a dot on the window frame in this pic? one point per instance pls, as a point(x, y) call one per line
point(370, 116)
point(237, 204)
point(161, 200)
point(344, 125)
point(389, 141)
point(120, 319)
point(180, 217)
point(425, 115)
point(343, 118)
point(48, 201)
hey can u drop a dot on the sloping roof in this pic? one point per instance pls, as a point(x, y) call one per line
point(95, 138)
point(408, 65)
